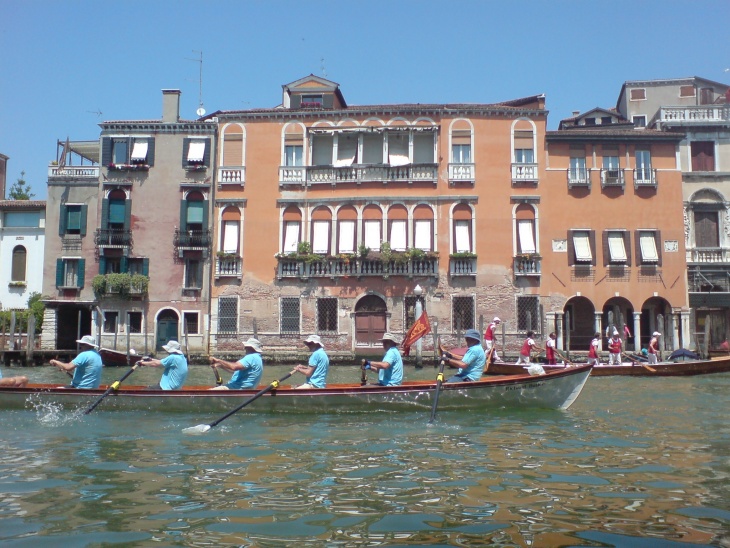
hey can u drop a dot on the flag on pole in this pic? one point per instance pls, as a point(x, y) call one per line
point(420, 328)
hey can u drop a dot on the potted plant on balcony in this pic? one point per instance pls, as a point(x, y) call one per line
point(226, 255)
point(139, 284)
point(98, 284)
point(363, 251)
point(463, 255)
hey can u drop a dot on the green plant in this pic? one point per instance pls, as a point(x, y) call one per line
point(386, 253)
point(140, 283)
point(304, 248)
point(37, 308)
point(363, 250)
point(118, 283)
point(98, 284)
point(463, 255)
point(225, 255)
point(416, 254)
point(17, 284)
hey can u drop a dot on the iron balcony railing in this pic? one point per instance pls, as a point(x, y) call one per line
point(338, 267)
point(113, 237)
point(709, 280)
point(612, 177)
point(578, 176)
point(645, 177)
point(192, 239)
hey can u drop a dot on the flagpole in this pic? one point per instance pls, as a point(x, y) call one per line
point(419, 310)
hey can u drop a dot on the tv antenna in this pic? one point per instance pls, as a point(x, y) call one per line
point(97, 112)
point(324, 71)
point(199, 60)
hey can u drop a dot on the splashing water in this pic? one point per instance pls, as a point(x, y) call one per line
point(52, 413)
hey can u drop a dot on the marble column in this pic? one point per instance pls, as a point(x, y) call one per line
point(637, 332)
point(685, 328)
point(559, 330)
point(597, 326)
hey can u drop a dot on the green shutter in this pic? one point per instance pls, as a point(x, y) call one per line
point(59, 272)
point(195, 212)
point(62, 220)
point(82, 272)
point(146, 266)
point(117, 211)
point(84, 209)
point(183, 215)
point(124, 266)
point(102, 265)
point(127, 214)
point(205, 214)
point(106, 151)
point(105, 213)
point(186, 146)
point(150, 152)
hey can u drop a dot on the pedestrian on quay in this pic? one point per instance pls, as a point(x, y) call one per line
point(175, 364)
point(527, 347)
point(550, 349)
point(490, 338)
point(247, 371)
point(614, 349)
point(471, 366)
point(593, 350)
point(86, 366)
point(390, 370)
point(318, 365)
point(654, 347)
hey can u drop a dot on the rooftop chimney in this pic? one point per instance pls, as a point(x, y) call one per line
point(576, 113)
point(170, 105)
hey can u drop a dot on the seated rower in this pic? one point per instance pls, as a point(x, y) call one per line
point(471, 366)
point(86, 366)
point(247, 371)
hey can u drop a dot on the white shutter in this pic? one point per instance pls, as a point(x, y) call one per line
point(422, 236)
point(463, 243)
point(230, 236)
point(320, 236)
point(616, 247)
point(398, 235)
point(346, 150)
point(291, 236)
point(649, 253)
point(346, 237)
point(372, 235)
point(582, 246)
point(527, 238)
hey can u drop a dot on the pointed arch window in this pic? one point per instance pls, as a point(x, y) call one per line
point(19, 264)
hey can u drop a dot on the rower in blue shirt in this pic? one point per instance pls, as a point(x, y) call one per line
point(86, 366)
point(471, 366)
point(316, 370)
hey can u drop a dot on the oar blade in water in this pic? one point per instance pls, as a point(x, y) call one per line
point(197, 430)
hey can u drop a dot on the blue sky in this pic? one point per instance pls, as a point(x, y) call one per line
point(64, 62)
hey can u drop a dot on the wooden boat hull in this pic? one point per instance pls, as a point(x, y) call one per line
point(555, 390)
point(113, 358)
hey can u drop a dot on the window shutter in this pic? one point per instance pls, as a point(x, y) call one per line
point(328, 100)
point(205, 213)
point(62, 220)
point(606, 250)
point(206, 154)
point(627, 247)
point(106, 151)
point(102, 265)
point(105, 213)
point(658, 238)
point(199, 268)
point(571, 249)
point(59, 272)
point(637, 247)
point(84, 209)
point(592, 240)
point(295, 101)
point(183, 215)
point(146, 266)
point(124, 266)
point(81, 274)
point(186, 146)
point(150, 152)
point(127, 214)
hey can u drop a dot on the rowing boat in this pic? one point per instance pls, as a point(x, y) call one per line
point(114, 358)
point(555, 390)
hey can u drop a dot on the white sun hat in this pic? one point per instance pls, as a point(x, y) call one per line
point(255, 344)
point(88, 340)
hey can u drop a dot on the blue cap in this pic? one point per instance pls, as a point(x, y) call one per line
point(472, 334)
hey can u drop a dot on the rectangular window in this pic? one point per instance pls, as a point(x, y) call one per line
point(73, 219)
point(291, 236)
point(120, 151)
point(649, 248)
point(230, 236)
point(461, 154)
point(687, 91)
point(372, 234)
point(643, 165)
point(136, 265)
point(227, 315)
point(22, 219)
point(372, 148)
point(310, 101)
point(321, 237)
point(110, 321)
point(398, 235)
point(462, 236)
point(606, 120)
point(703, 155)
point(639, 121)
point(190, 323)
point(462, 314)
point(322, 146)
point(398, 149)
point(577, 168)
point(524, 156)
point(293, 155)
point(346, 150)
point(346, 236)
point(423, 148)
point(638, 94)
point(135, 322)
point(196, 152)
point(423, 233)
point(616, 247)
point(193, 274)
point(526, 235)
point(71, 273)
point(327, 315)
point(707, 234)
point(582, 246)
point(528, 313)
point(707, 96)
point(289, 315)
point(139, 151)
point(111, 265)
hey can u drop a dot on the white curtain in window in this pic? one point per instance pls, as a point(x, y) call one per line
point(291, 236)
point(196, 151)
point(346, 237)
point(398, 150)
point(398, 235)
point(616, 247)
point(320, 236)
point(647, 242)
point(582, 246)
point(372, 234)
point(230, 236)
point(346, 150)
point(139, 151)
point(422, 235)
point(463, 242)
point(526, 234)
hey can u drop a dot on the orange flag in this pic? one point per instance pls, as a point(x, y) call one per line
point(420, 328)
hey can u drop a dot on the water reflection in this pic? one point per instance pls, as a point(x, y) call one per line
point(627, 462)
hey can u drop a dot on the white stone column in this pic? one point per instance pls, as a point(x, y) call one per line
point(559, 330)
point(675, 330)
point(597, 326)
point(685, 327)
point(637, 332)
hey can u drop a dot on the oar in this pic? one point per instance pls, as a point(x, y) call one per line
point(203, 428)
point(115, 385)
point(633, 362)
point(218, 379)
point(439, 382)
point(65, 371)
point(564, 357)
point(364, 374)
point(489, 360)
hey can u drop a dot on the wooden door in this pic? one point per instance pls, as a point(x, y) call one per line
point(370, 321)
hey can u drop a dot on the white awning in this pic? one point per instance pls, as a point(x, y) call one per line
point(346, 237)
point(139, 151)
point(196, 150)
point(398, 235)
point(616, 247)
point(422, 235)
point(463, 241)
point(372, 234)
point(647, 241)
point(527, 238)
point(230, 236)
point(320, 236)
point(582, 246)
point(291, 236)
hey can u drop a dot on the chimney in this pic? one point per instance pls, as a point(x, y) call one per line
point(576, 113)
point(170, 105)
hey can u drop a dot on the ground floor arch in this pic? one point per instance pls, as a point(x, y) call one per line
point(618, 316)
point(580, 324)
point(166, 327)
point(657, 316)
point(370, 321)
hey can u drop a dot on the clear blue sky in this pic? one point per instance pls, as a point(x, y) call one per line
point(63, 62)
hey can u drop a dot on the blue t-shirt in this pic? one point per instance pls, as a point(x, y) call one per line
point(321, 362)
point(392, 376)
point(176, 371)
point(250, 375)
point(88, 370)
point(475, 358)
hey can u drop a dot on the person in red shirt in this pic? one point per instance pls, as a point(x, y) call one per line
point(490, 339)
point(527, 347)
point(550, 349)
point(654, 347)
point(593, 358)
point(614, 349)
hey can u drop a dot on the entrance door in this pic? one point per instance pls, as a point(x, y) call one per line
point(167, 328)
point(370, 321)
point(73, 322)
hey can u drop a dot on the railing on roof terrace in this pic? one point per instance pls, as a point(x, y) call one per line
point(696, 114)
point(339, 267)
point(708, 255)
point(314, 175)
point(73, 172)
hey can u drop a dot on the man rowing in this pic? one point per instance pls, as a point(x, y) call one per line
point(86, 366)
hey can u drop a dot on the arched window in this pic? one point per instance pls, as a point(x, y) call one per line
point(195, 217)
point(346, 233)
point(398, 228)
point(463, 240)
point(372, 227)
point(230, 230)
point(291, 229)
point(423, 228)
point(525, 230)
point(19, 262)
point(321, 230)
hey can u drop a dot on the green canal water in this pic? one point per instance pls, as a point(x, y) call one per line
point(635, 462)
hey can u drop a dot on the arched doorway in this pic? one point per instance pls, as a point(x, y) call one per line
point(167, 327)
point(618, 313)
point(656, 315)
point(579, 314)
point(370, 321)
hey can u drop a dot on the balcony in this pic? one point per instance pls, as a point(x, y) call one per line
point(461, 173)
point(527, 265)
point(122, 285)
point(227, 266)
point(316, 266)
point(462, 266)
point(73, 172)
point(708, 255)
point(645, 178)
point(708, 280)
point(113, 238)
point(192, 239)
point(316, 175)
point(231, 176)
point(579, 177)
point(612, 178)
point(698, 115)
point(524, 173)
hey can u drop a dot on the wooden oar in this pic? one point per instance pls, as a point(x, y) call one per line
point(633, 362)
point(115, 385)
point(203, 428)
point(564, 357)
point(439, 382)
point(364, 374)
point(218, 379)
point(489, 360)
